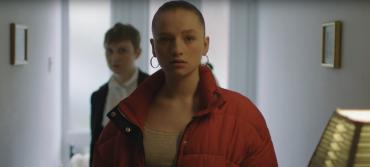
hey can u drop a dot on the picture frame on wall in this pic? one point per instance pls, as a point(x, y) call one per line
point(331, 44)
point(18, 44)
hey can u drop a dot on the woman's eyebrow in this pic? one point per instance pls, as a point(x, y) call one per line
point(189, 31)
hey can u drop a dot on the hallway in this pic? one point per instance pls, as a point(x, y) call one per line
point(267, 50)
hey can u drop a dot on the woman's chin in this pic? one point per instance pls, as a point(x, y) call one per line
point(180, 72)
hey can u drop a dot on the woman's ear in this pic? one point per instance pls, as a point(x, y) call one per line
point(152, 44)
point(206, 45)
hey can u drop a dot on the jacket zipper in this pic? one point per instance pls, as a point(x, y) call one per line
point(181, 142)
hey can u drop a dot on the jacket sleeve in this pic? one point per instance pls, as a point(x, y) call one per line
point(263, 156)
point(260, 150)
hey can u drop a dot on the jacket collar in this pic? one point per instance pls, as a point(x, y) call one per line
point(135, 107)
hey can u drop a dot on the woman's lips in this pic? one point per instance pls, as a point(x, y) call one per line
point(177, 61)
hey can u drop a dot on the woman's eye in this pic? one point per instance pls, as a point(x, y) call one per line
point(189, 39)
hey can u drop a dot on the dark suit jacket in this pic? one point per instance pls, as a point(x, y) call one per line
point(98, 100)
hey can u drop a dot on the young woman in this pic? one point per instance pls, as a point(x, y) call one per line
point(179, 116)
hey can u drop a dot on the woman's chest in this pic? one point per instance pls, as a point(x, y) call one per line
point(169, 116)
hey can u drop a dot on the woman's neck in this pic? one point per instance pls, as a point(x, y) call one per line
point(184, 87)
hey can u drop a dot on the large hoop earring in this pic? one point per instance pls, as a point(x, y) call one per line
point(151, 63)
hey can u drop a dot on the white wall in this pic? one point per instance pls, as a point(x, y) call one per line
point(136, 13)
point(216, 16)
point(30, 115)
point(88, 69)
point(296, 94)
point(242, 55)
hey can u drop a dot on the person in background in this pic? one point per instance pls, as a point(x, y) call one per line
point(179, 117)
point(122, 48)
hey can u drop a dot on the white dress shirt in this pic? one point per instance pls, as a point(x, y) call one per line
point(117, 92)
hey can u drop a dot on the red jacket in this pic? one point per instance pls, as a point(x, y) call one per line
point(228, 131)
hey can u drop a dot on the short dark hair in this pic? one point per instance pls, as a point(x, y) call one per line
point(120, 32)
point(171, 5)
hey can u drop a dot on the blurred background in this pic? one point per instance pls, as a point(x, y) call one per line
point(267, 50)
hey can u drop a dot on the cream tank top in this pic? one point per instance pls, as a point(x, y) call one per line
point(160, 147)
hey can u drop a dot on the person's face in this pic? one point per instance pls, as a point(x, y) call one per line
point(179, 41)
point(121, 56)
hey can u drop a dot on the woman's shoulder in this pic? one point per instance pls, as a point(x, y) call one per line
point(242, 107)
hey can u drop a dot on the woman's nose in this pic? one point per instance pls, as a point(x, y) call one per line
point(177, 47)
